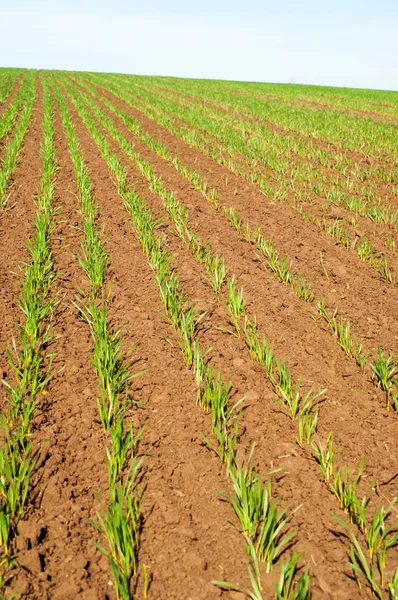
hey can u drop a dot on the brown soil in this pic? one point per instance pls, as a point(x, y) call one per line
point(186, 539)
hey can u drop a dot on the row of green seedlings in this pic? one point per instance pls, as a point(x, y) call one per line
point(365, 249)
point(29, 359)
point(384, 366)
point(14, 147)
point(378, 535)
point(8, 82)
point(264, 147)
point(300, 407)
point(8, 118)
point(120, 524)
point(260, 520)
point(197, 139)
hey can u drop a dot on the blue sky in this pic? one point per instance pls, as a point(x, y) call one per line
point(351, 43)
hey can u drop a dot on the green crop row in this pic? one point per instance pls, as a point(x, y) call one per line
point(8, 82)
point(28, 360)
point(14, 147)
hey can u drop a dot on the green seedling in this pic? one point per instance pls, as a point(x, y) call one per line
point(270, 540)
point(307, 426)
point(393, 586)
point(302, 290)
point(324, 457)
point(218, 274)
point(290, 392)
point(384, 370)
point(365, 250)
point(233, 216)
point(216, 395)
point(236, 299)
point(189, 322)
point(248, 497)
point(361, 356)
point(387, 274)
point(345, 488)
point(200, 371)
point(381, 538)
point(285, 589)
point(323, 266)
point(262, 352)
point(120, 527)
point(359, 563)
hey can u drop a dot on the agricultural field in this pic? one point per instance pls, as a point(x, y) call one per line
point(199, 339)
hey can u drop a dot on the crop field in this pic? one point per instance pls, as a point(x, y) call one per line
point(198, 339)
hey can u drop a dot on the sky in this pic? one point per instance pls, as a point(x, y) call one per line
point(347, 43)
